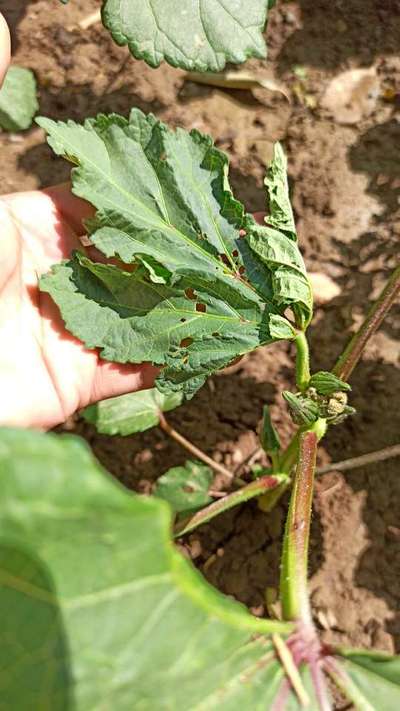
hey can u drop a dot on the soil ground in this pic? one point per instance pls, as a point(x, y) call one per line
point(345, 185)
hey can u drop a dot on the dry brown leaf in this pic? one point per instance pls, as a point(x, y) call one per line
point(352, 95)
point(237, 80)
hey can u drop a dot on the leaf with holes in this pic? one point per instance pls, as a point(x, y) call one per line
point(201, 35)
point(134, 412)
point(205, 283)
point(101, 608)
point(18, 99)
point(185, 488)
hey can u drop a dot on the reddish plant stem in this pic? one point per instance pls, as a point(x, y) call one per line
point(352, 353)
point(294, 591)
point(260, 486)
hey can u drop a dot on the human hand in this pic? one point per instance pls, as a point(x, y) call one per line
point(5, 48)
point(45, 373)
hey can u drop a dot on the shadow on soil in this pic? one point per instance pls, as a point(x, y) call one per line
point(377, 153)
point(375, 395)
point(14, 12)
point(367, 262)
point(76, 103)
point(332, 33)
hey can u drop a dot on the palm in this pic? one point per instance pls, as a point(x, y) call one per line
point(45, 373)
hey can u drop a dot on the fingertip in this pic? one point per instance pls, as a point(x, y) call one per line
point(5, 48)
point(73, 209)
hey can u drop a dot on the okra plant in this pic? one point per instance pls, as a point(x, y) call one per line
point(101, 610)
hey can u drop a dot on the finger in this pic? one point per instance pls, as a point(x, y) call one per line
point(5, 48)
point(259, 217)
point(114, 379)
point(74, 210)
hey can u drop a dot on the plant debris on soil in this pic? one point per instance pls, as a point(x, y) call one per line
point(345, 180)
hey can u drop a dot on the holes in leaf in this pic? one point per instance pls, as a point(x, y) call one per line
point(183, 320)
point(216, 334)
point(202, 308)
point(235, 253)
point(190, 294)
point(186, 342)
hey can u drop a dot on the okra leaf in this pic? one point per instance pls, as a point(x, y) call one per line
point(193, 35)
point(18, 99)
point(280, 213)
point(134, 412)
point(185, 488)
point(370, 679)
point(208, 284)
point(101, 608)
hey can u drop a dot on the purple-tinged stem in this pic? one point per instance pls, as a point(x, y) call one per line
point(293, 585)
point(260, 486)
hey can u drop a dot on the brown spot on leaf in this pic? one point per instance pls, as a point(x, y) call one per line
point(202, 308)
point(186, 342)
point(190, 293)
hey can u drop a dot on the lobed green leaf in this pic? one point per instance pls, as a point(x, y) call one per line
point(193, 35)
point(207, 283)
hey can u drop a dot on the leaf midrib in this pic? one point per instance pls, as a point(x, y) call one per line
point(163, 225)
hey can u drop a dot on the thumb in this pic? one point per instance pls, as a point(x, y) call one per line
point(5, 48)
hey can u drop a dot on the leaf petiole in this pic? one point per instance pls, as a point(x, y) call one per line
point(259, 486)
point(302, 361)
point(292, 673)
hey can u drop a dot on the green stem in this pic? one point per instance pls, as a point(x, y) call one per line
point(260, 486)
point(274, 457)
point(352, 353)
point(293, 584)
point(302, 361)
